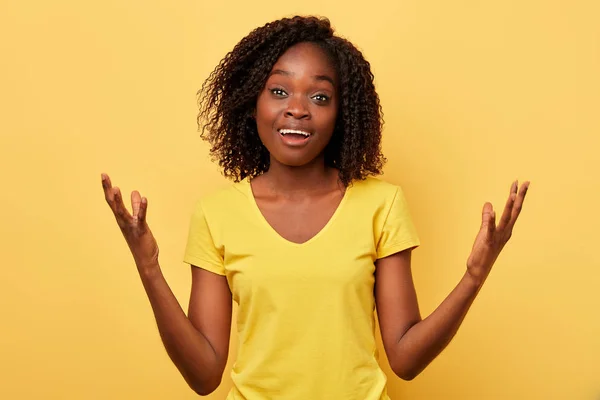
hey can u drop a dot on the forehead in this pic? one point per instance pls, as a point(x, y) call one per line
point(306, 58)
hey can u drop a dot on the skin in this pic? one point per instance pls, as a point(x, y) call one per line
point(198, 343)
point(410, 342)
point(299, 193)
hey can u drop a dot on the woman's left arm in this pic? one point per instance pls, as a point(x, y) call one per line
point(410, 342)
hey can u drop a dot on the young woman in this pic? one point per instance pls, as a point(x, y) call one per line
point(305, 240)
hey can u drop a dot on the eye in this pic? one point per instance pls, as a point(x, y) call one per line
point(278, 92)
point(321, 98)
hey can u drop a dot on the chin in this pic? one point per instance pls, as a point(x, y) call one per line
point(290, 161)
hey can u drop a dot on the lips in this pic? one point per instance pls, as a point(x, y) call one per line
point(294, 131)
point(294, 137)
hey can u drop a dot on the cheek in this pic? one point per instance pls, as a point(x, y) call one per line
point(266, 111)
point(328, 120)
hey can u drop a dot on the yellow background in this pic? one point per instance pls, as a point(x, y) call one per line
point(475, 94)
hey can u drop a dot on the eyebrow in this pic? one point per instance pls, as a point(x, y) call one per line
point(317, 77)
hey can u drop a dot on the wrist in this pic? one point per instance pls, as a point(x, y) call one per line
point(148, 269)
point(472, 281)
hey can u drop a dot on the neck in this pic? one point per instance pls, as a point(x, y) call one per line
point(309, 178)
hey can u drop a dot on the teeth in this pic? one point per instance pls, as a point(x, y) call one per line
point(286, 131)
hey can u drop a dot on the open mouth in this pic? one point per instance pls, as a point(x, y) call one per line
point(294, 132)
point(294, 137)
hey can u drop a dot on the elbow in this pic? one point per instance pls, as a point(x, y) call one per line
point(202, 385)
point(203, 381)
point(204, 389)
point(406, 372)
point(406, 375)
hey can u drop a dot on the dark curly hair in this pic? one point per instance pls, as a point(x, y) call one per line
point(228, 97)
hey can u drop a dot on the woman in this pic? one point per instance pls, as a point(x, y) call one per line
point(305, 240)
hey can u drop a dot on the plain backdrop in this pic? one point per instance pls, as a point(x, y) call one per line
point(476, 94)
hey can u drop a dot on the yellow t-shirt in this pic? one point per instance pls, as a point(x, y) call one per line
point(305, 319)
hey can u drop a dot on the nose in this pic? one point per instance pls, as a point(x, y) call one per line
point(297, 108)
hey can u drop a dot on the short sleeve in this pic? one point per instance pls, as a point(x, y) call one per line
point(398, 232)
point(201, 250)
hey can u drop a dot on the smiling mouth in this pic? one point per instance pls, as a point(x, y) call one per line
point(294, 132)
point(294, 137)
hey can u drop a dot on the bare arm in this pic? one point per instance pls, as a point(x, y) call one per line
point(198, 345)
point(410, 342)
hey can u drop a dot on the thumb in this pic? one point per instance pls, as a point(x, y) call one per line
point(136, 201)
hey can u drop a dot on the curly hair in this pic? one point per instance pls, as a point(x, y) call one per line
point(228, 97)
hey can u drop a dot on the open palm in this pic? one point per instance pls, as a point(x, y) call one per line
point(491, 238)
point(137, 234)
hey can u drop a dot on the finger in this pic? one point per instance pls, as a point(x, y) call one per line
point(107, 186)
point(488, 221)
point(143, 208)
point(519, 203)
point(136, 199)
point(119, 207)
point(105, 180)
point(507, 213)
point(109, 193)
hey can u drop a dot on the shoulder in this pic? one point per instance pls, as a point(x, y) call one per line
point(380, 199)
point(375, 189)
point(229, 192)
point(394, 230)
point(224, 199)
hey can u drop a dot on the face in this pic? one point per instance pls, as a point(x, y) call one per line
point(297, 109)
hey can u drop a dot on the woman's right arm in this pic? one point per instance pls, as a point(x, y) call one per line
point(199, 344)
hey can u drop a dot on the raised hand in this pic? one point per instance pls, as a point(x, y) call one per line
point(137, 234)
point(491, 238)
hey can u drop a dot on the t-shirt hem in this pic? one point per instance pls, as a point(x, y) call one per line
point(204, 264)
point(396, 248)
